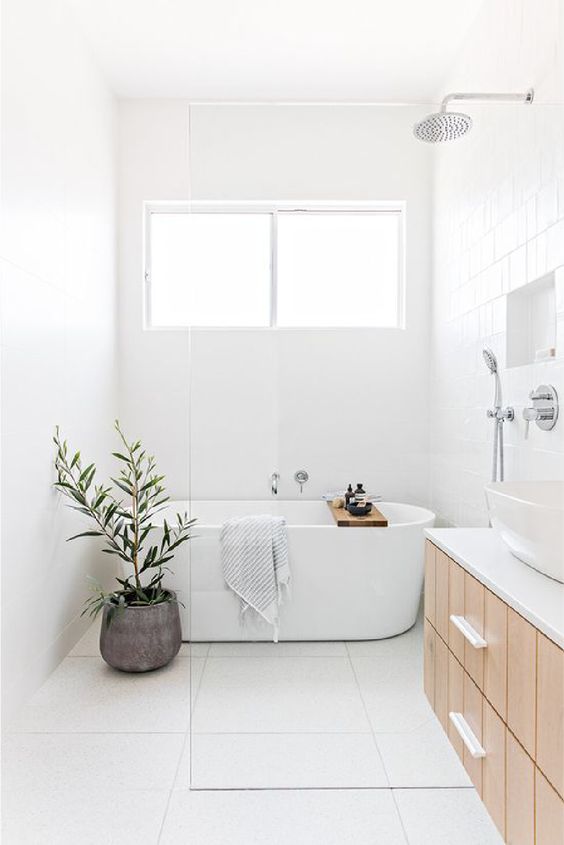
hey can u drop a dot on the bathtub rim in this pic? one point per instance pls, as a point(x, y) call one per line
point(426, 519)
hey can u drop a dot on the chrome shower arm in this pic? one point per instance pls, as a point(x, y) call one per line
point(527, 97)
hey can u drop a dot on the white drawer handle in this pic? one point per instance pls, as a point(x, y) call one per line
point(467, 735)
point(468, 632)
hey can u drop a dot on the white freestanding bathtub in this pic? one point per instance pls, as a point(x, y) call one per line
point(347, 583)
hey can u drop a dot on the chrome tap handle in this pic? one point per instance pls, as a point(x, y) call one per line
point(300, 477)
point(529, 415)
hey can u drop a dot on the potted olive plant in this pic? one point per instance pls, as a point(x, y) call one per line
point(140, 621)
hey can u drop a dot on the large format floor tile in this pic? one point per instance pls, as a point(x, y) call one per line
point(114, 816)
point(284, 649)
point(280, 733)
point(282, 761)
point(194, 650)
point(89, 644)
point(84, 694)
point(392, 690)
point(445, 817)
point(423, 757)
point(87, 761)
point(309, 817)
point(92, 789)
point(270, 695)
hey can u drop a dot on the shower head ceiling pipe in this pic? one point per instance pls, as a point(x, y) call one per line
point(448, 126)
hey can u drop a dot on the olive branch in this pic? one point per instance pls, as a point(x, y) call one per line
point(125, 523)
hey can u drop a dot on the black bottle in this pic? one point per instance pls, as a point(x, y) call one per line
point(360, 495)
point(348, 495)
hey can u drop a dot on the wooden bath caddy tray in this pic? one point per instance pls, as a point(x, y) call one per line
point(344, 519)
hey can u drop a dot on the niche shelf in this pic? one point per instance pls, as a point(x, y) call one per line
point(531, 321)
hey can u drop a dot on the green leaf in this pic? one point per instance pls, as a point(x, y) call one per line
point(86, 534)
point(85, 472)
point(123, 487)
point(99, 499)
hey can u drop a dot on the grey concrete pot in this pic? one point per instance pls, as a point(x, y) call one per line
point(140, 639)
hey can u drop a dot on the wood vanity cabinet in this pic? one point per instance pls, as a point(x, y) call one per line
point(474, 604)
point(493, 765)
point(503, 680)
point(520, 794)
point(550, 711)
point(521, 680)
point(455, 608)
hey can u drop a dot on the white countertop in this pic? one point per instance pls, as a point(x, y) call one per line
point(482, 552)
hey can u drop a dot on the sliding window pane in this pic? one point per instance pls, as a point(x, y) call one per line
point(338, 269)
point(210, 269)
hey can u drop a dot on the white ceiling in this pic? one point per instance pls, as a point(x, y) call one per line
point(296, 50)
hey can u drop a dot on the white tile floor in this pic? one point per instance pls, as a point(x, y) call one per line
point(306, 743)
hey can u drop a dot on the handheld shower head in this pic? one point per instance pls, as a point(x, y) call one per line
point(490, 359)
point(491, 363)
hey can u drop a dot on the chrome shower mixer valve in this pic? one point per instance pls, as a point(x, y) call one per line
point(544, 410)
point(300, 477)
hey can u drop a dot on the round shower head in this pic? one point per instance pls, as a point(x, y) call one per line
point(442, 126)
point(490, 359)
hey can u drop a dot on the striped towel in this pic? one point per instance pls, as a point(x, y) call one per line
point(254, 556)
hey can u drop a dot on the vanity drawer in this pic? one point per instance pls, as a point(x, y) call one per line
point(455, 701)
point(455, 608)
point(429, 662)
point(550, 711)
point(430, 582)
point(472, 712)
point(474, 616)
point(520, 785)
point(495, 653)
point(493, 767)
point(521, 680)
point(441, 594)
point(441, 682)
point(549, 812)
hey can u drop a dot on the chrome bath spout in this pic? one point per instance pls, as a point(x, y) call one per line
point(274, 479)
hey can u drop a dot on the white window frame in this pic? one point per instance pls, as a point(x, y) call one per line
point(396, 208)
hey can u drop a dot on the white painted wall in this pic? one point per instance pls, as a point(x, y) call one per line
point(345, 405)
point(498, 223)
point(57, 306)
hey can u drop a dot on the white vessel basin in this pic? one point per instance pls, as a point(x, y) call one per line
point(529, 515)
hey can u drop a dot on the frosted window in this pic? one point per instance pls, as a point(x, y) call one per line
point(209, 269)
point(338, 269)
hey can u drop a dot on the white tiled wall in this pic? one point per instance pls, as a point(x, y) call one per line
point(498, 224)
point(57, 322)
point(332, 402)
